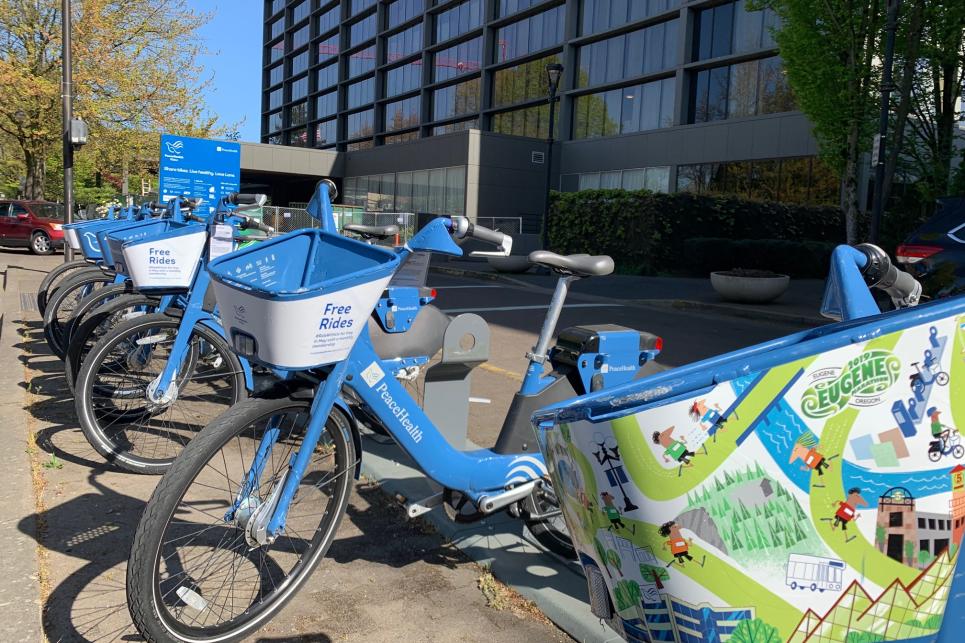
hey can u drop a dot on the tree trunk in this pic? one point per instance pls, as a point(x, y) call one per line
point(850, 184)
point(948, 97)
point(36, 174)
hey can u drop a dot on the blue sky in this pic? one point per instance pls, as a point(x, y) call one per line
point(233, 37)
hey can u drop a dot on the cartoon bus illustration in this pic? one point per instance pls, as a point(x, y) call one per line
point(814, 573)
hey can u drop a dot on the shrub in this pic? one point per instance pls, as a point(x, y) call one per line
point(648, 230)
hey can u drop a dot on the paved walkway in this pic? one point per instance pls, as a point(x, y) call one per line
point(800, 304)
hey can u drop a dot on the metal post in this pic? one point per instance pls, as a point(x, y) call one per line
point(67, 96)
point(887, 85)
point(554, 71)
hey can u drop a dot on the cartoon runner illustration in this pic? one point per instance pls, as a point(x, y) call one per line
point(679, 546)
point(711, 419)
point(804, 450)
point(674, 450)
point(616, 520)
point(848, 510)
point(608, 455)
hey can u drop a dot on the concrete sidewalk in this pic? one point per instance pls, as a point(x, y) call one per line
point(800, 305)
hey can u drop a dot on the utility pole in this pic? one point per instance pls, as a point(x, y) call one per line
point(880, 147)
point(67, 94)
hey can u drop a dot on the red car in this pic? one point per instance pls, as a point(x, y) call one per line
point(37, 225)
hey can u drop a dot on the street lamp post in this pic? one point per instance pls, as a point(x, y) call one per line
point(68, 108)
point(878, 206)
point(554, 71)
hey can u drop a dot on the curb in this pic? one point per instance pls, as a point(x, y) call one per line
point(677, 304)
point(557, 587)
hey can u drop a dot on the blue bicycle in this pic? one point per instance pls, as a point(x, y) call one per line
point(252, 504)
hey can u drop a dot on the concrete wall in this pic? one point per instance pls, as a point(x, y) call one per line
point(510, 184)
point(277, 159)
point(422, 154)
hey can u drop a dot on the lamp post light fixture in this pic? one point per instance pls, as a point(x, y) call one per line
point(554, 72)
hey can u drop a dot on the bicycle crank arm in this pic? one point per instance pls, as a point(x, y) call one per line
point(489, 504)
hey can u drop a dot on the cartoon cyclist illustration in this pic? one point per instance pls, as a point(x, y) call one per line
point(805, 451)
point(674, 450)
point(939, 431)
point(848, 510)
point(679, 546)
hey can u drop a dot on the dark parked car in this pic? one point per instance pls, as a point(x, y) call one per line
point(935, 252)
point(33, 224)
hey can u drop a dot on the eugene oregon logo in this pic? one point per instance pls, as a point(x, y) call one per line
point(860, 383)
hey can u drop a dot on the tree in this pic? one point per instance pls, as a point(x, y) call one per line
point(654, 574)
point(755, 631)
point(828, 49)
point(134, 71)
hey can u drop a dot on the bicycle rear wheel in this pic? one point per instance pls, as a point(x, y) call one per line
point(114, 410)
point(58, 273)
point(64, 300)
point(192, 575)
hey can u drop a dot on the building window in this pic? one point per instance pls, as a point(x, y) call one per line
point(274, 122)
point(896, 519)
point(405, 137)
point(300, 12)
point(328, 20)
point(509, 7)
point(745, 89)
point(326, 132)
point(464, 58)
point(459, 20)
point(405, 43)
point(361, 93)
point(528, 121)
point(458, 126)
point(276, 51)
point(359, 145)
point(361, 5)
point(326, 105)
point(437, 191)
point(277, 27)
point(327, 76)
point(522, 82)
point(275, 98)
point(655, 179)
point(276, 74)
point(402, 114)
point(360, 124)
point(299, 137)
point(275, 6)
point(361, 61)
point(298, 114)
point(274, 139)
point(640, 52)
point(732, 29)
point(796, 180)
point(300, 37)
point(328, 48)
point(403, 79)
point(921, 524)
point(625, 110)
point(404, 10)
point(530, 34)
point(299, 88)
point(299, 63)
point(456, 100)
point(364, 29)
point(601, 15)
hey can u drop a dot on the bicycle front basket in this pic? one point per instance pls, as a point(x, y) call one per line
point(300, 300)
point(82, 236)
point(166, 256)
point(123, 231)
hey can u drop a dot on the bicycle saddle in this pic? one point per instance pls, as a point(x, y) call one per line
point(372, 231)
point(581, 265)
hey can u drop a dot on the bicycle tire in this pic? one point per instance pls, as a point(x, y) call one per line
point(57, 272)
point(89, 303)
point(63, 301)
point(172, 430)
point(95, 325)
point(550, 533)
point(177, 499)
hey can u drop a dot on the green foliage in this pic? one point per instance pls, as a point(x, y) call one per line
point(648, 230)
point(613, 558)
point(653, 574)
point(863, 637)
point(627, 593)
point(755, 631)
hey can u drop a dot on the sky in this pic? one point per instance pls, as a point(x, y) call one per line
point(233, 37)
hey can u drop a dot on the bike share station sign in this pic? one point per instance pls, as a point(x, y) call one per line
point(191, 168)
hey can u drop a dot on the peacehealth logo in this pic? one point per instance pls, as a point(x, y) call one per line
point(860, 383)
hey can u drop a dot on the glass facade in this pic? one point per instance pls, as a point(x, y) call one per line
point(794, 180)
point(639, 65)
point(437, 191)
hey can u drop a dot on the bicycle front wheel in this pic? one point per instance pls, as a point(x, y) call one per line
point(64, 300)
point(115, 411)
point(58, 273)
point(192, 574)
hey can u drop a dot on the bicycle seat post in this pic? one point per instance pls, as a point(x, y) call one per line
point(538, 354)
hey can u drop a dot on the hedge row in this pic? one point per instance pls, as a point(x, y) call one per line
point(645, 232)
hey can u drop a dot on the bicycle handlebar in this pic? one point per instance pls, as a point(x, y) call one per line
point(257, 225)
point(463, 227)
point(238, 198)
point(882, 274)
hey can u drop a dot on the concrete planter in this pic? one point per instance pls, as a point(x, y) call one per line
point(512, 264)
point(740, 288)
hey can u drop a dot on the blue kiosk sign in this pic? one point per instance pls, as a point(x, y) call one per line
point(197, 168)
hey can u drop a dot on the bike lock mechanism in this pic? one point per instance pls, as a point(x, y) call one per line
point(880, 273)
